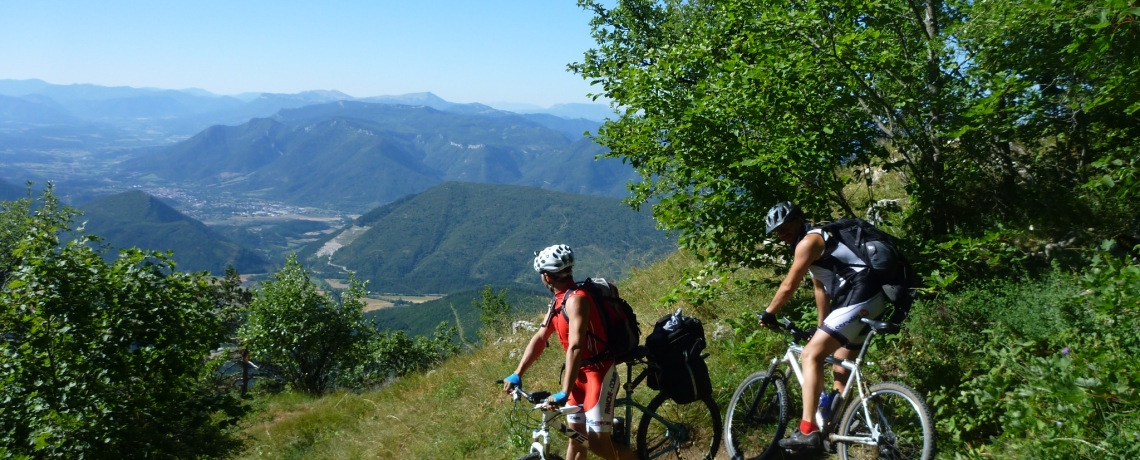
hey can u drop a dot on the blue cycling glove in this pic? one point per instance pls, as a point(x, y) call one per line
point(514, 380)
point(559, 398)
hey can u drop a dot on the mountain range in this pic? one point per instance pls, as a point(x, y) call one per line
point(355, 155)
point(36, 102)
point(136, 219)
point(460, 236)
point(10, 192)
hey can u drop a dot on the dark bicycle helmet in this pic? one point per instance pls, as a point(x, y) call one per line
point(781, 213)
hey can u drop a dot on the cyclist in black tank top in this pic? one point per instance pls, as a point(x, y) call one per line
point(844, 292)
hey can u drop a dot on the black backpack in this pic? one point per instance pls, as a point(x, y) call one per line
point(886, 262)
point(675, 347)
point(620, 323)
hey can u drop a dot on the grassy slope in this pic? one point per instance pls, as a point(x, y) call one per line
point(455, 411)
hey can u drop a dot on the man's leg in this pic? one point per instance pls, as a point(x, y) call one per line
point(820, 347)
point(602, 445)
point(575, 451)
point(807, 436)
point(841, 373)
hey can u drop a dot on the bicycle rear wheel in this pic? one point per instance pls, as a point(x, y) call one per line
point(687, 431)
point(536, 456)
point(901, 418)
point(757, 417)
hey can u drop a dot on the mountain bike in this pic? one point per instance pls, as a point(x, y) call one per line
point(666, 429)
point(541, 435)
point(886, 420)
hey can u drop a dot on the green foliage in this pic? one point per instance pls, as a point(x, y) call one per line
point(730, 106)
point(400, 354)
point(231, 301)
point(494, 311)
point(460, 236)
point(394, 354)
point(307, 337)
point(103, 360)
point(1041, 366)
point(135, 219)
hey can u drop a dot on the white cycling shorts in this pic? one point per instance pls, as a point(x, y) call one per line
point(596, 390)
point(843, 322)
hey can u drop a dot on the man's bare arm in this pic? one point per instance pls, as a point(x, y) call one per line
point(809, 250)
point(578, 315)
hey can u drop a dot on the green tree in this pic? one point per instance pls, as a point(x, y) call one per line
point(993, 112)
point(308, 337)
point(494, 311)
point(396, 354)
point(231, 300)
point(103, 360)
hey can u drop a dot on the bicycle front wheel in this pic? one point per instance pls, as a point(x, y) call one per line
point(757, 417)
point(898, 416)
point(687, 431)
point(537, 456)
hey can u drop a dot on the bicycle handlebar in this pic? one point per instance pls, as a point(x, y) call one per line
point(538, 397)
point(798, 334)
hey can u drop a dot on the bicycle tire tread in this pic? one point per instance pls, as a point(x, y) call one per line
point(918, 403)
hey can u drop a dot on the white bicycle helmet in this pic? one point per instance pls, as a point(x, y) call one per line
point(553, 259)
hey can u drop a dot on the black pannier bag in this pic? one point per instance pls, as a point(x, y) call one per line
point(675, 347)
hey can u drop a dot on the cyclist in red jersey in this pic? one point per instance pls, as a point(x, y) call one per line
point(592, 383)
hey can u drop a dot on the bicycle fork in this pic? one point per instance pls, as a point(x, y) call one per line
point(544, 434)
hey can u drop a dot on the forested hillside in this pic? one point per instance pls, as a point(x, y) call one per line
point(355, 155)
point(459, 309)
point(460, 236)
point(135, 219)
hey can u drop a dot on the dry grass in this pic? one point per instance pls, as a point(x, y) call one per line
point(456, 411)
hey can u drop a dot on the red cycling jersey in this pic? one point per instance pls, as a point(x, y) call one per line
point(595, 330)
point(597, 384)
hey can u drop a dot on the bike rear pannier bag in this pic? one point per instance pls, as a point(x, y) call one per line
point(675, 346)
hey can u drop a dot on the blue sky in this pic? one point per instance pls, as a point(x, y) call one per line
point(463, 51)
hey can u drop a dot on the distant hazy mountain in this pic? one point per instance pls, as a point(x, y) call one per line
point(136, 219)
point(354, 155)
point(10, 192)
point(32, 110)
point(593, 112)
point(460, 236)
point(573, 129)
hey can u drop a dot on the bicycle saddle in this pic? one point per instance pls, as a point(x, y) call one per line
point(881, 327)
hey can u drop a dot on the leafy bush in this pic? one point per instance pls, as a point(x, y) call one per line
point(494, 311)
point(1041, 368)
point(103, 360)
point(396, 354)
point(306, 336)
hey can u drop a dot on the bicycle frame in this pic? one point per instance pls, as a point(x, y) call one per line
point(790, 358)
point(630, 404)
point(542, 432)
